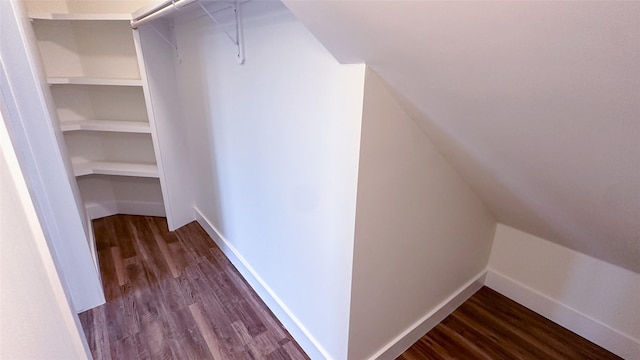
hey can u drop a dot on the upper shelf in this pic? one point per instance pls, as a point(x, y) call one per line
point(93, 81)
point(115, 168)
point(87, 49)
point(141, 127)
point(77, 16)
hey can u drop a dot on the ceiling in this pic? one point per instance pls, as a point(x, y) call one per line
point(536, 104)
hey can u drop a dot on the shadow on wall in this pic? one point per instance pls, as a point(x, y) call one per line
point(197, 110)
point(525, 206)
point(464, 159)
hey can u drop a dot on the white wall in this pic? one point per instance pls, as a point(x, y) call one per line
point(85, 6)
point(166, 118)
point(421, 233)
point(274, 150)
point(43, 159)
point(36, 319)
point(595, 299)
point(534, 103)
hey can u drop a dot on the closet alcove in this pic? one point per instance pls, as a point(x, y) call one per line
point(116, 122)
point(167, 119)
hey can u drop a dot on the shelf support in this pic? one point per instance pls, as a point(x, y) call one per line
point(164, 37)
point(238, 40)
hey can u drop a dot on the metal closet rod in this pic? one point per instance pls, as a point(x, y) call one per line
point(158, 11)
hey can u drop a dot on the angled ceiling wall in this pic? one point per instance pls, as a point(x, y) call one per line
point(536, 104)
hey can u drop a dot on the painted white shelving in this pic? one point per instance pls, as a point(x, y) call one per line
point(140, 127)
point(115, 168)
point(97, 84)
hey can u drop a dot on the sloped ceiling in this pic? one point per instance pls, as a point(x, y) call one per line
point(536, 104)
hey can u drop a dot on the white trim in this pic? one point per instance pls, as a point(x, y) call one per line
point(308, 343)
point(100, 210)
point(421, 327)
point(31, 124)
point(92, 241)
point(157, 149)
point(141, 208)
point(70, 320)
point(113, 207)
point(565, 316)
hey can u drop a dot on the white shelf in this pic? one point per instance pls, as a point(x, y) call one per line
point(77, 16)
point(141, 127)
point(115, 168)
point(91, 62)
point(93, 81)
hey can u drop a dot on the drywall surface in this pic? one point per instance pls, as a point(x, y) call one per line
point(573, 282)
point(421, 233)
point(86, 6)
point(42, 154)
point(274, 152)
point(106, 6)
point(35, 317)
point(165, 112)
point(44, 6)
point(534, 103)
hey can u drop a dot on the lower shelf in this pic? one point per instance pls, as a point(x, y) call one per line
point(115, 168)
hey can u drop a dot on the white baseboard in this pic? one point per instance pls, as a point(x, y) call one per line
point(100, 210)
point(581, 324)
point(141, 208)
point(92, 241)
point(112, 207)
point(308, 343)
point(413, 333)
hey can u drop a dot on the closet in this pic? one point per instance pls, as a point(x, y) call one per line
point(97, 79)
point(262, 154)
point(94, 75)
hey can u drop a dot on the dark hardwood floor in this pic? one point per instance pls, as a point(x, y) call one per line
point(174, 295)
point(491, 326)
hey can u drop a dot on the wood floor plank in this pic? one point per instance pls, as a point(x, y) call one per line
point(160, 238)
point(243, 334)
point(108, 274)
point(226, 290)
point(129, 310)
point(539, 327)
point(128, 348)
point(266, 343)
point(186, 338)
point(121, 235)
point(278, 354)
point(102, 234)
point(118, 265)
point(293, 350)
point(491, 326)
point(181, 257)
point(212, 341)
point(101, 342)
point(483, 319)
point(491, 345)
point(174, 295)
point(155, 336)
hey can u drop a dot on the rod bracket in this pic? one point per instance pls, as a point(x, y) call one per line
point(238, 39)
